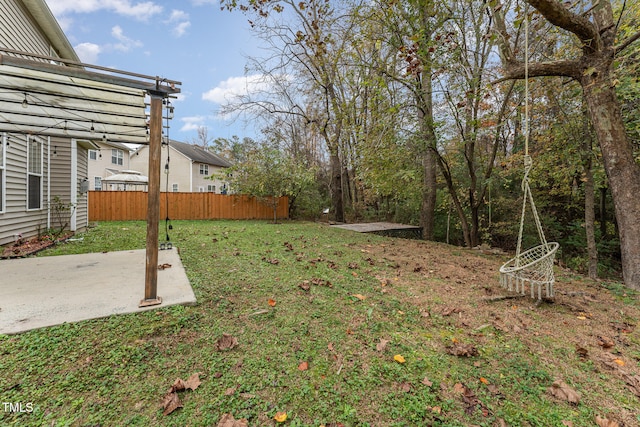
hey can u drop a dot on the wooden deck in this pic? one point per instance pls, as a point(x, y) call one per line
point(384, 228)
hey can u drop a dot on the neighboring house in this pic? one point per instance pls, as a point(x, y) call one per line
point(50, 116)
point(109, 159)
point(191, 168)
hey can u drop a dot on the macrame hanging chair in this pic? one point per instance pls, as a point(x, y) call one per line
point(532, 268)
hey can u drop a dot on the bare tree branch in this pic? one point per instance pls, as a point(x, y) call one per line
point(625, 44)
point(566, 68)
point(558, 15)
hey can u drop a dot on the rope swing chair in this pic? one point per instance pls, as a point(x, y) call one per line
point(532, 268)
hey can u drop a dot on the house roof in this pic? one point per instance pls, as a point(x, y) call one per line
point(199, 155)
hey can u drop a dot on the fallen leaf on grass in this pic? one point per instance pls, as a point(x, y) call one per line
point(581, 351)
point(170, 403)
point(288, 246)
point(633, 383)
point(303, 366)
point(193, 382)
point(321, 282)
point(462, 350)
point(398, 358)
point(280, 417)
point(227, 420)
point(436, 410)
point(230, 391)
point(382, 345)
point(562, 391)
point(359, 296)
point(304, 285)
point(484, 380)
point(271, 302)
point(470, 400)
point(603, 422)
point(426, 382)
point(567, 423)
point(352, 266)
point(405, 387)
point(605, 342)
point(226, 342)
point(447, 311)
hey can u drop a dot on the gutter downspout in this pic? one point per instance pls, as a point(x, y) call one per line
point(48, 182)
point(74, 185)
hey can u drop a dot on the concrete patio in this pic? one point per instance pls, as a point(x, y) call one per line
point(47, 291)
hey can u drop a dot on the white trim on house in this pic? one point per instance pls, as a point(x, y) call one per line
point(73, 226)
point(3, 174)
point(48, 182)
point(37, 173)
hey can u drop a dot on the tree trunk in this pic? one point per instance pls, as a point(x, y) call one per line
point(336, 186)
point(589, 206)
point(429, 163)
point(604, 234)
point(622, 171)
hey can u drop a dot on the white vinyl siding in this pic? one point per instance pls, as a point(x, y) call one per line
point(34, 173)
point(3, 179)
point(17, 219)
point(19, 32)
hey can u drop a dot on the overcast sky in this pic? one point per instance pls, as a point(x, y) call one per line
point(191, 41)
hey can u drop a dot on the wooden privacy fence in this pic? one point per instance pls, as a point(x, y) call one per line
point(132, 205)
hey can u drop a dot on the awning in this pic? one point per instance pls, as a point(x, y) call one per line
point(126, 178)
point(41, 97)
point(54, 105)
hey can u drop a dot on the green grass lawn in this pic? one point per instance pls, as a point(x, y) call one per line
point(319, 314)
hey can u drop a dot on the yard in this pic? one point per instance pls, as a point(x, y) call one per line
point(313, 326)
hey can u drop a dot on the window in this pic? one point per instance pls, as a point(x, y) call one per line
point(97, 183)
point(93, 155)
point(34, 173)
point(174, 188)
point(211, 188)
point(117, 157)
point(201, 189)
point(204, 169)
point(3, 148)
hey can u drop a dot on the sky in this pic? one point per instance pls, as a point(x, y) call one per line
point(191, 41)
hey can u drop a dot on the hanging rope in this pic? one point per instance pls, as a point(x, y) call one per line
point(533, 267)
point(167, 221)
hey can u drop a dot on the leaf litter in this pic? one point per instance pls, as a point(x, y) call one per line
point(171, 400)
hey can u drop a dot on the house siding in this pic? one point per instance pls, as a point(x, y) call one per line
point(102, 166)
point(17, 219)
point(62, 187)
point(182, 171)
point(18, 30)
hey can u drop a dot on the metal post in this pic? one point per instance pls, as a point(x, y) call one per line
point(153, 204)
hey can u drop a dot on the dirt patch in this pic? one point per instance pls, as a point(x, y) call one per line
point(588, 322)
point(25, 247)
